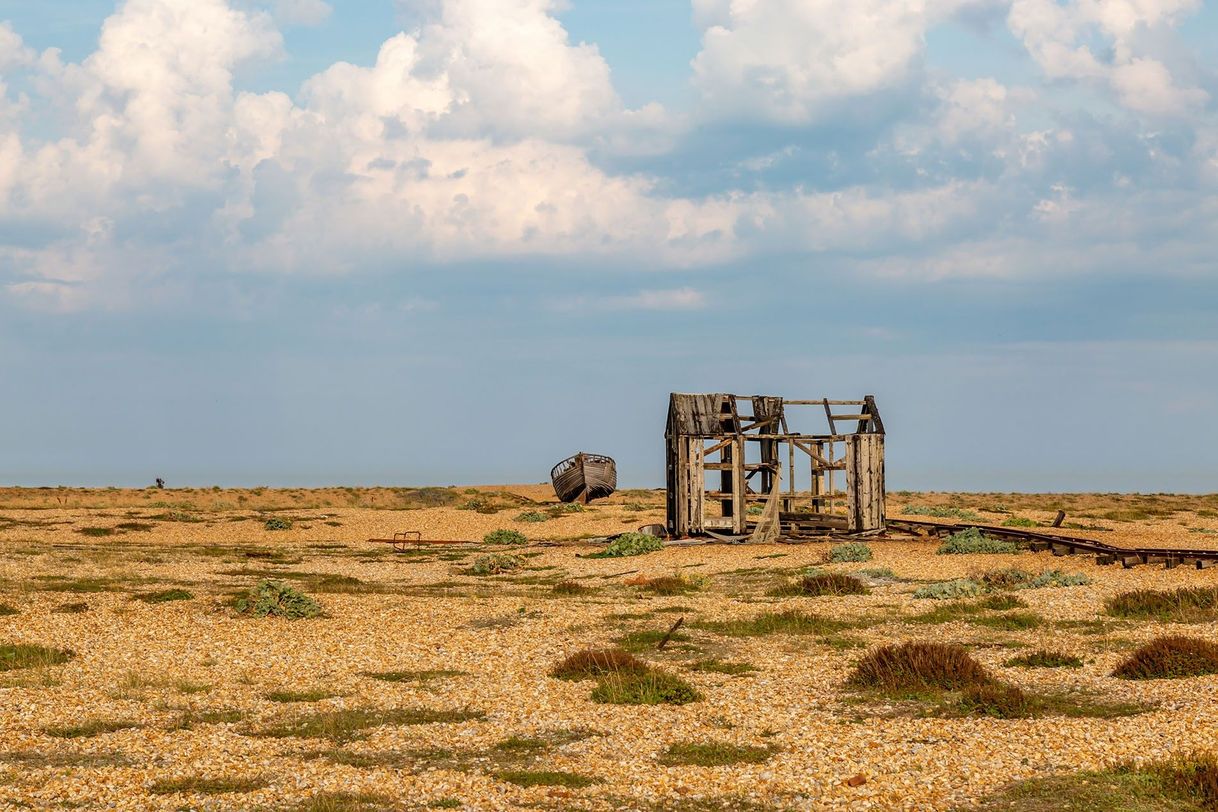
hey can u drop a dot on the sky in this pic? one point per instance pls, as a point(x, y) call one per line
point(428, 242)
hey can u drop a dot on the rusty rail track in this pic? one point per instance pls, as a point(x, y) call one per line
point(1062, 545)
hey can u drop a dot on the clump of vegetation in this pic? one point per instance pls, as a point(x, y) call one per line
point(825, 583)
point(851, 552)
point(564, 509)
point(789, 622)
point(973, 540)
point(1015, 578)
point(1182, 784)
point(569, 587)
point(166, 596)
point(71, 608)
point(412, 676)
point(276, 599)
point(6, 610)
point(89, 729)
point(630, 544)
point(1170, 658)
point(941, 512)
point(1001, 602)
point(496, 564)
point(512, 537)
point(276, 523)
point(714, 754)
point(96, 532)
point(1020, 521)
point(530, 516)
point(351, 724)
point(649, 687)
point(1011, 622)
point(25, 655)
point(995, 699)
point(593, 663)
point(546, 778)
point(915, 667)
point(671, 584)
point(200, 785)
point(1042, 658)
point(879, 573)
point(722, 667)
point(308, 695)
point(949, 590)
point(1184, 605)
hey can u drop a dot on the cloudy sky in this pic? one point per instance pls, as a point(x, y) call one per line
point(452, 241)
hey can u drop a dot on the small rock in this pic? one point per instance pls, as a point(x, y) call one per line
point(856, 780)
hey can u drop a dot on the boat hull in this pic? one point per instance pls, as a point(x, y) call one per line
point(584, 477)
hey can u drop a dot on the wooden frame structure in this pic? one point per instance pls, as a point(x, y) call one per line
point(752, 458)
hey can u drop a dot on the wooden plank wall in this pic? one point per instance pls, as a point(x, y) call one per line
point(865, 481)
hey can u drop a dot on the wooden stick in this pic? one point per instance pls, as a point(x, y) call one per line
point(671, 632)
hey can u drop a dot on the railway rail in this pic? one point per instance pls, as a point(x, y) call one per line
point(1062, 545)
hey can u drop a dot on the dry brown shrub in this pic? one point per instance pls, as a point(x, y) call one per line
point(1169, 658)
point(916, 666)
point(597, 662)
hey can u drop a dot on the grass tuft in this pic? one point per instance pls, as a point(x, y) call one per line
point(1170, 658)
point(788, 622)
point(592, 663)
point(949, 590)
point(313, 695)
point(25, 655)
point(412, 676)
point(1042, 658)
point(915, 666)
point(348, 725)
point(199, 785)
point(996, 700)
point(571, 588)
point(496, 564)
point(722, 667)
point(648, 687)
point(91, 728)
point(825, 583)
point(1184, 605)
point(546, 778)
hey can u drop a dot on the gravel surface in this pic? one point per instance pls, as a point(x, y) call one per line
point(192, 677)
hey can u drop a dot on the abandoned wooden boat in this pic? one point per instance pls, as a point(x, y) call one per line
point(584, 477)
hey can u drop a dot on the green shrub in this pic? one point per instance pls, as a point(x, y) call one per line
point(973, 540)
point(879, 573)
point(276, 599)
point(940, 512)
point(847, 553)
point(649, 687)
point(630, 544)
point(545, 778)
point(591, 663)
point(949, 590)
point(277, 523)
point(995, 699)
point(532, 516)
point(512, 537)
point(714, 754)
point(570, 587)
point(6, 610)
point(496, 563)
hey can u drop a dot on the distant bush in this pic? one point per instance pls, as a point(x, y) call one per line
point(630, 544)
point(995, 699)
point(879, 573)
point(276, 599)
point(513, 537)
point(166, 596)
point(1015, 578)
point(1170, 658)
point(496, 563)
point(571, 588)
point(277, 523)
point(532, 516)
point(854, 551)
point(941, 512)
point(949, 590)
point(973, 540)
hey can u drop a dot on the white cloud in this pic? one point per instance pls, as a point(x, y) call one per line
point(302, 12)
point(790, 61)
point(1060, 37)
